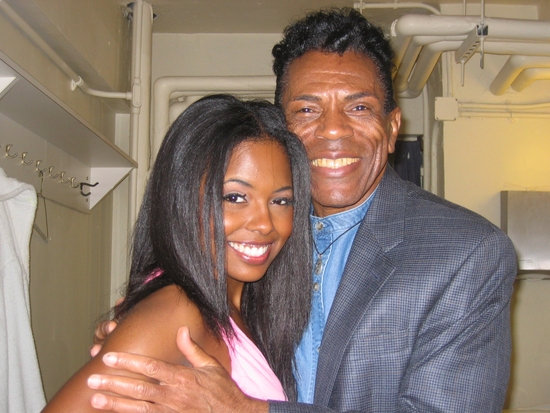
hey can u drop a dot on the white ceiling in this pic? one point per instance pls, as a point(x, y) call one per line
point(270, 16)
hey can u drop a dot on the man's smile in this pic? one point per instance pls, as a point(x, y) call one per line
point(333, 163)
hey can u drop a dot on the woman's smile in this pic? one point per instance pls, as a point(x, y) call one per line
point(252, 253)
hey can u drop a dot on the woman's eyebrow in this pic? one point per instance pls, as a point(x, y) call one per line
point(239, 181)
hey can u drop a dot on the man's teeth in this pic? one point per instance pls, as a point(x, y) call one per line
point(333, 163)
point(248, 250)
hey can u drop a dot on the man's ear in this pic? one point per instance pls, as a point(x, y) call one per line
point(394, 123)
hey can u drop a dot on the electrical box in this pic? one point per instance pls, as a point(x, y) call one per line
point(525, 217)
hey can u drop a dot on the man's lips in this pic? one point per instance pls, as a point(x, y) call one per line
point(333, 163)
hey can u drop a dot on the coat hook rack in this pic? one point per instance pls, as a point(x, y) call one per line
point(42, 171)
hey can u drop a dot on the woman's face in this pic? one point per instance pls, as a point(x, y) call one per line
point(257, 209)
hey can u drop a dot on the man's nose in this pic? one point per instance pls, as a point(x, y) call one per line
point(333, 124)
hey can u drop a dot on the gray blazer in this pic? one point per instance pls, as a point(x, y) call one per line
point(420, 321)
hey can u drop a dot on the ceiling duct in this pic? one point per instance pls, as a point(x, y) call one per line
point(419, 40)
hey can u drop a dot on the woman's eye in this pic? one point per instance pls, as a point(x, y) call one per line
point(284, 201)
point(234, 198)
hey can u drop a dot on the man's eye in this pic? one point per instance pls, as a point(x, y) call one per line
point(305, 110)
point(360, 108)
point(234, 198)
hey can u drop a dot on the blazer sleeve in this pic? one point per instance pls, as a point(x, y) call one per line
point(460, 359)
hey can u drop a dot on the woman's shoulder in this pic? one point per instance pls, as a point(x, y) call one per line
point(150, 329)
point(155, 320)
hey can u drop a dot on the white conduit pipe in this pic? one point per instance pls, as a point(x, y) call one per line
point(513, 67)
point(502, 114)
point(135, 110)
point(141, 116)
point(529, 76)
point(420, 66)
point(413, 33)
point(504, 106)
point(424, 65)
point(76, 80)
point(429, 25)
point(168, 86)
point(362, 6)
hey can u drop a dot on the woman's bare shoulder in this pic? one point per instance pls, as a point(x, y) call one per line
point(150, 329)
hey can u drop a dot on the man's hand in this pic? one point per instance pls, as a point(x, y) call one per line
point(102, 331)
point(205, 387)
point(100, 334)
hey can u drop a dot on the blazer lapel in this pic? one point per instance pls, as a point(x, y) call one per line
point(366, 271)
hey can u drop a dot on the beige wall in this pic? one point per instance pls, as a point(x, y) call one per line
point(484, 156)
point(70, 274)
point(212, 54)
point(69, 285)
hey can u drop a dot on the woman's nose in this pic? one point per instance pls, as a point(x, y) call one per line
point(261, 221)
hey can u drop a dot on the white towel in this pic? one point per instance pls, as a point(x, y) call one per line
point(20, 384)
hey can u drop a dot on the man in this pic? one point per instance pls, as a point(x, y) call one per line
point(410, 309)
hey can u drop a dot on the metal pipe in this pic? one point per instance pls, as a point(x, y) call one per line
point(512, 68)
point(165, 87)
point(529, 76)
point(415, 33)
point(76, 80)
point(362, 6)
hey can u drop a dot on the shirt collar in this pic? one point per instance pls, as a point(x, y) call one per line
point(344, 220)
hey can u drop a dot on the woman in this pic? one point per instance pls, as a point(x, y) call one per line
point(213, 250)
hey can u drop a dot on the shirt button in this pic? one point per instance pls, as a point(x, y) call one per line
point(315, 286)
point(319, 226)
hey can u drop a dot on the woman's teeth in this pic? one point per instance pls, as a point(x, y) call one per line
point(251, 251)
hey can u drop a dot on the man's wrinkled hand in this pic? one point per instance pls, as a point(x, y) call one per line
point(205, 387)
point(101, 332)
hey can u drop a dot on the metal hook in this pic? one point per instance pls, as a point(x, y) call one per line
point(40, 171)
point(8, 147)
point(23, 156)
point(61, 176)
point(72, 182)
point(87, 184)
point(50, 169)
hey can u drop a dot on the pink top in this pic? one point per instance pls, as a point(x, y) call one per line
point(250, 370)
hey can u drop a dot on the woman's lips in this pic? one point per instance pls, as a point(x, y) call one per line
point(253, 253)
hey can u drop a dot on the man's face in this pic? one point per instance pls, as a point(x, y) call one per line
point(335, 104)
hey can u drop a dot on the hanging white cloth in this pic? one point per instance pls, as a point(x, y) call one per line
point(20, 384)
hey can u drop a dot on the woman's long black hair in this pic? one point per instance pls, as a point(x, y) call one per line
point(183, 203)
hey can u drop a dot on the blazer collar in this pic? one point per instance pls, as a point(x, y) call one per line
point(366, 271)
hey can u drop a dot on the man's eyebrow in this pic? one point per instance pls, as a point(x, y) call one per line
point(354, 96)
point(307, 98)
point(360, 95)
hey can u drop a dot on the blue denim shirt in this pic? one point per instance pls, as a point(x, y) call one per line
point(326, 279)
